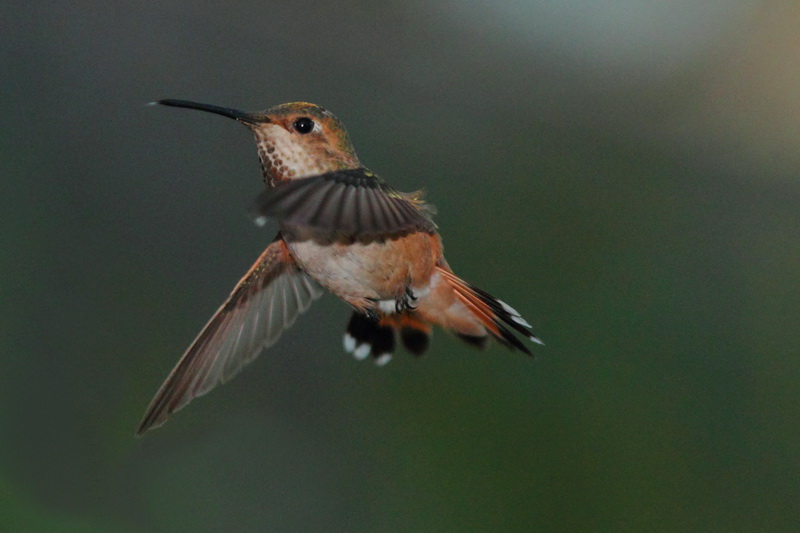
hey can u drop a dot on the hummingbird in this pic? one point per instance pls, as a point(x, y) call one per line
point(342, 229)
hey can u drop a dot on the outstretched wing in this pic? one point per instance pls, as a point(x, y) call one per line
point(355, 202)
point(264, 303)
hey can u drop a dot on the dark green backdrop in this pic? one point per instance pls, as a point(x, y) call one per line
point(626, 175)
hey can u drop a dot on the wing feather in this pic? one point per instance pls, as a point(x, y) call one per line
point(379, 213)
point(355, 202)
point(264, 303)
point(326, 203)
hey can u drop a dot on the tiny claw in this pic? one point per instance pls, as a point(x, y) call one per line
point(403, 302)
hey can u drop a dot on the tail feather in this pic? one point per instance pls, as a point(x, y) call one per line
point(366, 336)
point(478, 342)
point(415, 340)
point(495, 315)
point(452, 303)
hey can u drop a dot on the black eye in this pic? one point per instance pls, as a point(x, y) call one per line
point(303, 125)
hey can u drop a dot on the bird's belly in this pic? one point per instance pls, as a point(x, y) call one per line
point(378, 270)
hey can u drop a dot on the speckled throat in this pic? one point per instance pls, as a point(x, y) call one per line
point(284, 157)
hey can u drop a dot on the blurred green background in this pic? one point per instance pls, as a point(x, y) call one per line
point(626, 174)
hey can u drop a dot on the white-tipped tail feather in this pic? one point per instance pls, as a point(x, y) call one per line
point(497, 317)
point(382, 359)
point(349, 343)
point(362, 351)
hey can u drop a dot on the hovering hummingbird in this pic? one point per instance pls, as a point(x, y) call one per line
point(344, 229)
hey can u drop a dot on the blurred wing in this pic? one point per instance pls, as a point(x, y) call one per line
point(352, 201)
point(264, 303)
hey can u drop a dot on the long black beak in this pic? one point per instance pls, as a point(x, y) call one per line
point(235, 114)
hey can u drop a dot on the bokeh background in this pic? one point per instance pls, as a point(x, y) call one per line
point(625, 173)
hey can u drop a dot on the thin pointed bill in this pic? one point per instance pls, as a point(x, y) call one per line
point(235, 114)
